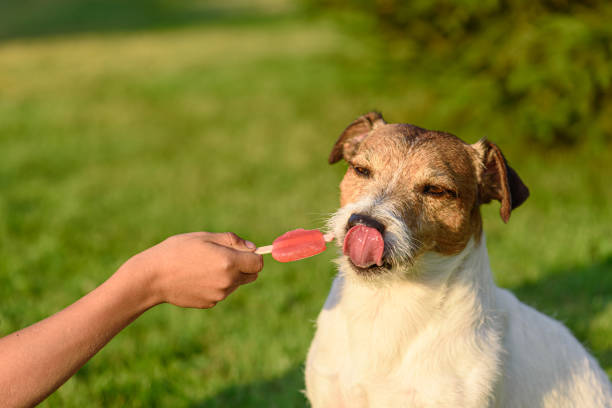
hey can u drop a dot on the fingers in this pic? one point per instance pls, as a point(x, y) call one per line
point(245, 278)
point(234, 261)
point(242, 279)
point(231, 240)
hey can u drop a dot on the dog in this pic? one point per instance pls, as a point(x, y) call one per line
point(413, 318)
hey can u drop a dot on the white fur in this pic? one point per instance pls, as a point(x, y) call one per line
point(439, 333)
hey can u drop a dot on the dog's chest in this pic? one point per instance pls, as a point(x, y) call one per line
point(381, 371)
point(378, 354)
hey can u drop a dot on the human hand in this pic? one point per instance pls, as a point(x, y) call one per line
point(197, 269)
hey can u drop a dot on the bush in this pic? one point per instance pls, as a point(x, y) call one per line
point(545, 65)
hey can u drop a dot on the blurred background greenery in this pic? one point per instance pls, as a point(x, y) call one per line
point(124, 122)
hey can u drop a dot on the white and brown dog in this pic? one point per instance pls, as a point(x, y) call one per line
point(413, 318)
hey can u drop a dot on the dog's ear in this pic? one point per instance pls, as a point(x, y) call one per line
point(497, 180)
point(353, 135)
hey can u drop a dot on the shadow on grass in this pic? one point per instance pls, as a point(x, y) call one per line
point(284, 391)
point(575, 296)
point(40, 18)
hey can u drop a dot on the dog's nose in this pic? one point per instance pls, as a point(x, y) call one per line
point(366, 220)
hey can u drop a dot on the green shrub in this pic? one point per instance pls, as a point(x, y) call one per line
point(544, 68)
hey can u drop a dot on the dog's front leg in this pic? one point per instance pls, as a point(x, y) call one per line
point(323, 391)
point(327, 356)
point(322, 375)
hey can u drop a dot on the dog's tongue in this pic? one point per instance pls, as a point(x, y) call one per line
point(364, 245)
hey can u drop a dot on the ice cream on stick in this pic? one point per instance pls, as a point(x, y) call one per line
point(296, 244)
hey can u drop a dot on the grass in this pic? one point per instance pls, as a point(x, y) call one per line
point(112, 140)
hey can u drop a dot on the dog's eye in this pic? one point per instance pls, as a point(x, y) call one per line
point(438, 191)
point(362, 171)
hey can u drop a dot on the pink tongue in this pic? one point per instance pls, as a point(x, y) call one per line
point(364, 245)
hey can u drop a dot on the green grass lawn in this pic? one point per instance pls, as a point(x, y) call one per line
point(111, 141)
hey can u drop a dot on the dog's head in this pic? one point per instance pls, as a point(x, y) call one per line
point(409, 191)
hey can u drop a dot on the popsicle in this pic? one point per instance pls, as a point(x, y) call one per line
point(296, 244)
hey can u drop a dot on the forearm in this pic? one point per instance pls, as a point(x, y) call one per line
point(196, 269)
point(38, 359)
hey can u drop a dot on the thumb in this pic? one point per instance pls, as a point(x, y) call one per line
point(231, 240)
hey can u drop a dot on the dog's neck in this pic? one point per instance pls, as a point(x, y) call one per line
point(447, 293)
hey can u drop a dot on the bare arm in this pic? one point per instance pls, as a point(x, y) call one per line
point(189, 270)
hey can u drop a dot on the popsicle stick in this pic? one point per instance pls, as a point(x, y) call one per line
point(268, 248)
point(264, 250)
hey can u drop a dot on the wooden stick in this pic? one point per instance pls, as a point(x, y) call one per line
point(268, 248)
point(264, 250)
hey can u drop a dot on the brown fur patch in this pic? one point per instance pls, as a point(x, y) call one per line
point(498, 181)
point(353, 135)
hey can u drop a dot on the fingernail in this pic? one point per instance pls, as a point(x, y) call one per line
point(250, 245)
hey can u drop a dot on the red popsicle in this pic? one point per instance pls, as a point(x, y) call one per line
point(296, 244)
